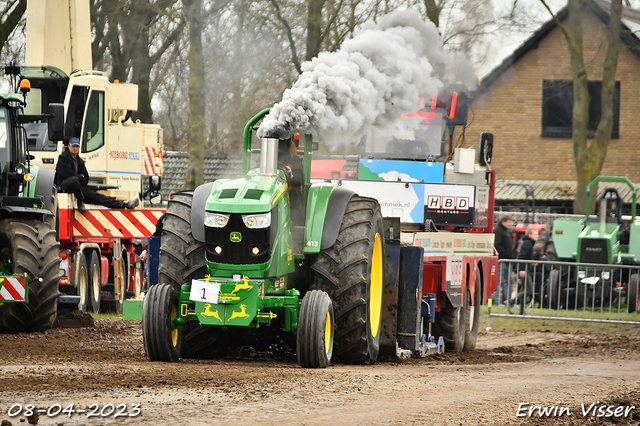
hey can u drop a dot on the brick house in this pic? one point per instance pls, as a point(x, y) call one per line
point(524, 102)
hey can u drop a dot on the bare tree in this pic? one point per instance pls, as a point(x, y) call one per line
point(589, 156)
point(135, 34)
point(195, 126)
point(11, 13)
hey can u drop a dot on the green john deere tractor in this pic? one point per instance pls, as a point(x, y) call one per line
point(234, 267)
point(609, 239)
point(29, 262)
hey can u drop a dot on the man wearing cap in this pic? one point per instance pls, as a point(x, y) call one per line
point(72, 177)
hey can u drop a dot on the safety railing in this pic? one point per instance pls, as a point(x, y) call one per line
point(567, 291)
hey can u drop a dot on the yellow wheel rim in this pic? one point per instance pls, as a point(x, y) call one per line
point(327, 334)
point(174, 331)
point(375, 290)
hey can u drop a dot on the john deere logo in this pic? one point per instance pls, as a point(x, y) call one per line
point(235, 237)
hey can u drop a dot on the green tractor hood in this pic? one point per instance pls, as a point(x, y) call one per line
point(253, 193)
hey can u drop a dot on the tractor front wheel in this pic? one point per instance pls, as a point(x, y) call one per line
point(351, 273)
point(162, 340)
point(314, 345)
point(33, 251)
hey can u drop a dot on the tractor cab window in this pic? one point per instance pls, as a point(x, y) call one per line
point(93, 134)
point(419, 136)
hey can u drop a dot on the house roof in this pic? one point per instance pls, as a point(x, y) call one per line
point(553, 191)
point(630, 35)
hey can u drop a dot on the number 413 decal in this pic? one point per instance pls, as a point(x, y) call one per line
point(312, 243)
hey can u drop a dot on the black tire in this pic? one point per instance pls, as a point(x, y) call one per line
point(351, 273)
point(80, 277)
point(554, 289)
point(162, 342)
point(314, 344)
point(34, 252)
point(95, 281)
point(473, 315)
point(633, 303)
point(182, 259)
point(451, 325)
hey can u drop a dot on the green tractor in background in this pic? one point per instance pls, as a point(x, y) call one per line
point(29, 261)
point(609, 239)
point(234, 267)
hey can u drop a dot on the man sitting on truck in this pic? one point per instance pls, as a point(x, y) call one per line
point(72, 177)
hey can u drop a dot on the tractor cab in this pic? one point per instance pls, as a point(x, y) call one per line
point(425, 134)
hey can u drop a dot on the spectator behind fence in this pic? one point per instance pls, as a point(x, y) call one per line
point(525, 270)
point(504, 246)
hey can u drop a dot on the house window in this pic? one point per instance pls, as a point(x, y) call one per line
point(557, 108)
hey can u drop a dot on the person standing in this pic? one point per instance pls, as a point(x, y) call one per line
point(526, 253)
point(72, 177)
point(504, 246)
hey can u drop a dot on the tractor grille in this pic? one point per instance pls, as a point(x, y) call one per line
point(240, 252)
point(594, 251)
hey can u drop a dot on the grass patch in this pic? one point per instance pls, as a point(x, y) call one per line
point(108, 317)
point(557, 325)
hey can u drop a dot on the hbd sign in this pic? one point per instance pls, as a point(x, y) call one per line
point(450, 205)
point(447, 202)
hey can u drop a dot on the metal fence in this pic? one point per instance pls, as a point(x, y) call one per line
point(567, 291)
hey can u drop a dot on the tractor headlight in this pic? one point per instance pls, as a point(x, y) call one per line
point(257, 221)
point(215, 220)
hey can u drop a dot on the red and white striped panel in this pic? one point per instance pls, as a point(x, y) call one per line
point(115, 223)
point(12, 289)
point(153, 161)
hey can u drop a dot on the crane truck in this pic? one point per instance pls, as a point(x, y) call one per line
point(97, 245)
point(342, 285)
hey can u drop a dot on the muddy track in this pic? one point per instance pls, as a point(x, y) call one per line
point(105, 364)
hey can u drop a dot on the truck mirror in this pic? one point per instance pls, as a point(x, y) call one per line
point(55, 122)
point(155, 183)
point(485, 148)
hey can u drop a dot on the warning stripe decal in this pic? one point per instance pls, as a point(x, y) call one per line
point(12, 289)
point(115, 223)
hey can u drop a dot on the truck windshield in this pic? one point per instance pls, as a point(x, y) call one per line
point(414, 137)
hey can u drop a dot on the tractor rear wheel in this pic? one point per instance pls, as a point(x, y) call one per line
point(95, 281)
point(633, 302)
point(314, 345)
point(162, 340)
point(181, 259)
point(351, 273)
point(473, 315)
point(33, 249)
